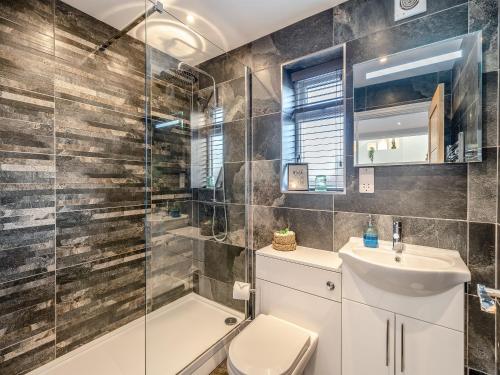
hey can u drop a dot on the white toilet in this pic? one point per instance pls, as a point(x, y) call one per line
point(271, 346)
point(298, 323)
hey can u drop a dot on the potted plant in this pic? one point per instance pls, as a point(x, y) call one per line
point(284, 240)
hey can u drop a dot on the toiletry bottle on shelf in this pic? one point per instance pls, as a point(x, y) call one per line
point(370, 237)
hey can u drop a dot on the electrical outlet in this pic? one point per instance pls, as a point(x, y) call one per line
point(366, 180)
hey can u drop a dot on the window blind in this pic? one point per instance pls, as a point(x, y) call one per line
point(209, 149)
point(319, 127)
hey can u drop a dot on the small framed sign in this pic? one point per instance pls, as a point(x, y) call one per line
point(298, 177)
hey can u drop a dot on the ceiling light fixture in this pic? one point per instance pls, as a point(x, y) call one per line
point(415, 64)
point(383, 59)
point(190, 18)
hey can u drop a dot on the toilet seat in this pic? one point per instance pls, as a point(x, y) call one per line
point(270, 346)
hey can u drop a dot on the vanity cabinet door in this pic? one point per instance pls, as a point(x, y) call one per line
point(367, 340)
point(423, 348)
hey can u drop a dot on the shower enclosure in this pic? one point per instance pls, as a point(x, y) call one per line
point(138, 181)
point(197, 195)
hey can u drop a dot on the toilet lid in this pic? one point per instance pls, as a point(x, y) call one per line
point(268, 346)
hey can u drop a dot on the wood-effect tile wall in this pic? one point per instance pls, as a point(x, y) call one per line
point(448, 206)
point(72, 181)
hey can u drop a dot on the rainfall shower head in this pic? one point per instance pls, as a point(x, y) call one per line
point(182, 66)
point(180, 77)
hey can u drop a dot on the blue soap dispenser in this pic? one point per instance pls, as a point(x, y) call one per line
point(370, 236)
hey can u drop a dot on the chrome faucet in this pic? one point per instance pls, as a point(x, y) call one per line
point(397, 236)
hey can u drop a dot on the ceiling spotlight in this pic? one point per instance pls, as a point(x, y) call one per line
point(190, 18)
point(383, 59)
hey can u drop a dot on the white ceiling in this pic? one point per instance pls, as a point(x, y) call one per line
point(217, 25)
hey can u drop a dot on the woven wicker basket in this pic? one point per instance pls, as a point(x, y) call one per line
point(284, 242)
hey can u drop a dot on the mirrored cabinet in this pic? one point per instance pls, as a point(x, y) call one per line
point(420, 106)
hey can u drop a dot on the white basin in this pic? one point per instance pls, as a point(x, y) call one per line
point(417, 271)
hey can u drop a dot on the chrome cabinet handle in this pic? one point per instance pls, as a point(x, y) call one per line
point(387, 343)
point(330, 285)
point(402, 348)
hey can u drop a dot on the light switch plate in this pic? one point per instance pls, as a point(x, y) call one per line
point(366, 180)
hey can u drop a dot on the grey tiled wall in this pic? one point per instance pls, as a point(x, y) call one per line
point(448, 206)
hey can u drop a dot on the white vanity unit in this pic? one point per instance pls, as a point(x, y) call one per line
point(402, 313)
point(304, 287)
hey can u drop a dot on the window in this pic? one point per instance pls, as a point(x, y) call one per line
point(318, 117)
point(207, 150)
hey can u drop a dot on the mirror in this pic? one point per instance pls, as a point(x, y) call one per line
point(420, 106)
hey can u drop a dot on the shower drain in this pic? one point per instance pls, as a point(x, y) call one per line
point(230, 321)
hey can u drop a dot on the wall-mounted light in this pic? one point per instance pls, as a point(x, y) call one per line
point(415, 64)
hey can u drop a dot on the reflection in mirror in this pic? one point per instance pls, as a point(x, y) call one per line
point(421, 105)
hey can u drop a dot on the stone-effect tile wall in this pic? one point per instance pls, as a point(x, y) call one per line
point(72, 182)
point(448, 206)
point(219, 264)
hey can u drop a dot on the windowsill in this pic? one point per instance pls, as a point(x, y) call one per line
point(331, 192)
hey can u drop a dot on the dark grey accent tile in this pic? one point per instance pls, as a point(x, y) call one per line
point(37, 15)
point(113, 79)
point(483, 188)
point(29, 260)
point(78, 34)
point(489, 109)
point(235, 221)
point(482, 255)
point(234, 176)
point(24, 136)
point(90, 235)
point(313, 228)
point(413, 190)
point(358, 18)
point(221, 262)
point(225, 67)
point(234, 141)
point(266, 133)
point(16, 104)
point(173, 294)
point(481, 337)
point(85, 130)
point(27, 355)
point(483, 15)
point(98, 297)
point(266, 190)
point(475, 372)
point(27, 215)
point(266, 91)
point(27, 58)
point(421, 31)
point(232, 99)
point(170, 162)
point(91, 83)
point(236, 224)
point(217, 291)
point(87, 182)
point(26, 309)
point(169, 101)
point(300, 39)
point(445, 234)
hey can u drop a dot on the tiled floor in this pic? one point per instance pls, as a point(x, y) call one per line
point(220, 370)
